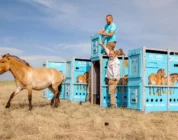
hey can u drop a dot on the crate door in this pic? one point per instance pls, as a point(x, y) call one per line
point(122, 89)
point(173, 94)
point(81, 68)
point(68, 85)
point(156, 67)
point(96, 49)
point(134, 96)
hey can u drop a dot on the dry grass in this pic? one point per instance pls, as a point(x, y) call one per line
point(82, 122)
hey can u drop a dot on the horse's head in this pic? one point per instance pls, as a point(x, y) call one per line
point(119, 52)
point(5, 63)
point(175, 78)
point(161, 72)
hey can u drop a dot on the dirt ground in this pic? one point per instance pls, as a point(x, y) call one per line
point(71, 121)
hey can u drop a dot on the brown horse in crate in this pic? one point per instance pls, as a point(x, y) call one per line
point(173, 79)
point(83, 78)
point(156, 79)
point(30, 78)
point(119, 52)
point(123, 80)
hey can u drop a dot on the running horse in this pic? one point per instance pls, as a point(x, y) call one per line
point(29, 78)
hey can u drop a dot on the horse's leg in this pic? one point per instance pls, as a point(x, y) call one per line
point(12, 96)
point(30, 97)
point(57, 101)
point(56, 89)
point(160, 91)
point(162, 88)
point(52, 100)
point(150, 90)
point(153, 91)
point(157, 91)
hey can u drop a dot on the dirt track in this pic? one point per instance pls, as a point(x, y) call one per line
point(82, 122)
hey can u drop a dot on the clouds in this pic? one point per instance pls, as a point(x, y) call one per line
point(5, 50)
point(151, 3)
point(68, 50)
point(38, 60)
point(61, 29)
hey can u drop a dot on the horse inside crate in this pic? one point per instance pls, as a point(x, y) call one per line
point(77, 79)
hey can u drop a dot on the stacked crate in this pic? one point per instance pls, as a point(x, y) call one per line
point(60, 66)
point(75, 91)
point(145, 90)
point(99, 88)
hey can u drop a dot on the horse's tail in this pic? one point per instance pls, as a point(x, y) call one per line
point(60, 87)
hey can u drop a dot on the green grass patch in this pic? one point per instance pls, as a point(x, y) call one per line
point(7, 82)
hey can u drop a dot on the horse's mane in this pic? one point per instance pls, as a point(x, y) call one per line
point(17, 58)
point(174, 74)
point(160, 70)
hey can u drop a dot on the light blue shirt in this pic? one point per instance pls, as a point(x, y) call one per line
point(108, 28)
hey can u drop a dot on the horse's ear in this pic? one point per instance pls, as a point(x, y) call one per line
point(8, 57)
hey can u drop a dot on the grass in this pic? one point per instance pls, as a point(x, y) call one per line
point(7, 82)
point(71, 121)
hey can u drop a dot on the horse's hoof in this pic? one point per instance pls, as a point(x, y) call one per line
point(30, 108)
point(8, 105)
point(55, 105)
point(52, 102)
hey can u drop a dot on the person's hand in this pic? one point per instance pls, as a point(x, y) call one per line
point(101, 44)
point(101, 32)
point(111, 82)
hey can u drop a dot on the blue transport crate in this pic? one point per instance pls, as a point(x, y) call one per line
point(100, 93)
point(173, 67)
point(146, 92)
point(96, 49)
point(60, 66)
point(75, 91)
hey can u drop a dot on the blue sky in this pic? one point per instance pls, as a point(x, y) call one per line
point(37, 30)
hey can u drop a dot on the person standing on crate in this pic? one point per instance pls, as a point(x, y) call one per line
point(113, 73)
point(109, 31)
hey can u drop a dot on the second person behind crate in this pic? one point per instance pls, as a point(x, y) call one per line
point(109, 31)
point(113, 73)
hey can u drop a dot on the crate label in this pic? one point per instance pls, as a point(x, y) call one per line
point(155, 57)
point(174, 58)
point(82, 63)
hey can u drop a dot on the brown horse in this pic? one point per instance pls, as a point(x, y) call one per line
point(155, 79)
point(173, 79)
point(119, 52)
point(83, 78)
point(123, 81)
point(30, 78)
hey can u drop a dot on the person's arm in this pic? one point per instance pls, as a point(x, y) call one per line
point(107, 34)
point(101, 31)
point(111, 31)
point(104, 47)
